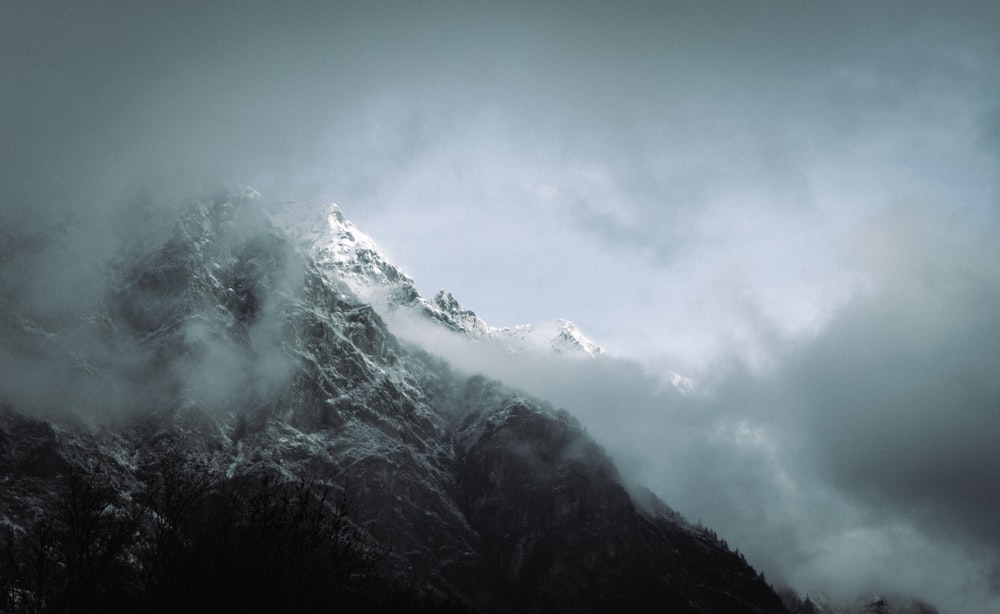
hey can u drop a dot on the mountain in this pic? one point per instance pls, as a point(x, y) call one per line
point(347, 254)
point(226, 421)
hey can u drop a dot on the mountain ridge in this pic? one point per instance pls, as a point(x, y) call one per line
point(347, 253)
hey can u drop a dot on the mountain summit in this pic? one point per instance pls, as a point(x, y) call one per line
point(347, 254)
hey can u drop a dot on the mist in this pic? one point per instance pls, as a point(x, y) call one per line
point(147, 306)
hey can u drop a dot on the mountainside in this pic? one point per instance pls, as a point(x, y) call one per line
point(224, 362)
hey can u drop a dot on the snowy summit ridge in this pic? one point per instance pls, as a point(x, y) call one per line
point(346, 253)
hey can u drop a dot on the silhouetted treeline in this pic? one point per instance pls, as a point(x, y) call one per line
point(189, 540)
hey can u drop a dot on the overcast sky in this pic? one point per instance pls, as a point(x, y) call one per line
point(796, 202)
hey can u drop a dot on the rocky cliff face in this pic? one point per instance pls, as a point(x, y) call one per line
point(229, 347)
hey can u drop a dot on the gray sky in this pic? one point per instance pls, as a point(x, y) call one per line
point(796, 202)
point(695, 169)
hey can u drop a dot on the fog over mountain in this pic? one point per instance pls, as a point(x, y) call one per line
point(796, 206)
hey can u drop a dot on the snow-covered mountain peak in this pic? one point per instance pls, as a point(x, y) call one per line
point(356, 255)
point(446, 308)
point(347, 253)
point(342, 249)
point(571, 338)
point(559, 336)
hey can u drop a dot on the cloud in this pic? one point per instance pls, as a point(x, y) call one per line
point(864, 458)
point(858, 459)
point(901, 387)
